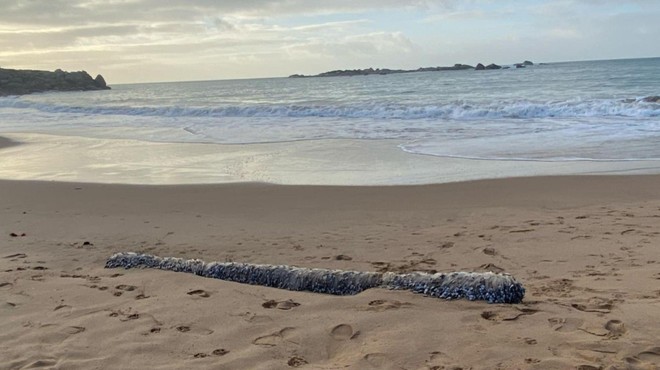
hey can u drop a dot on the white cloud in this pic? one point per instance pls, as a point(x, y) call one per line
point(206, 39)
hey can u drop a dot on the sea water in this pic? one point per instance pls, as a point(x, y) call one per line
point(574, 111)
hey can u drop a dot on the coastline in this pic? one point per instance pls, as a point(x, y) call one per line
point(346, 162)
point(583, 246)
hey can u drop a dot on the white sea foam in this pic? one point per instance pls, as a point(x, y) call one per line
point(457, 110)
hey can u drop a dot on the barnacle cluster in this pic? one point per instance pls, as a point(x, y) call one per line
point(488, 286)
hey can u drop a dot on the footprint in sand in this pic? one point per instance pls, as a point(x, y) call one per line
point(133, 316)
point(442, 358)
point(616, 328)
point(186, 328)
point(183, 328)
point(253, 318)
point(342, 332)
point(595, 304)
point(296, 361)
point(199, 293)
point(271, 340)
point(219, 352)
point(507, 314)
point(71, 330)
point(490, 267)
point(6, 285)
point(380, 305)
point(280, 305)
point(379, 361)
point(565, 324)
point(16, 256)
point(63, 309)
point(647, 359)
point(489, 251)
point(126, 288)
point(155, 330)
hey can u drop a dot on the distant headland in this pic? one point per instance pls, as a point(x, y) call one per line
point(20, 82)
point(386, 71)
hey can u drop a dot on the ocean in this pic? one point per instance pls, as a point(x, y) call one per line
point(557, 112)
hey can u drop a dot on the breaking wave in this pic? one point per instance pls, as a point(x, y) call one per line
point(459, 110)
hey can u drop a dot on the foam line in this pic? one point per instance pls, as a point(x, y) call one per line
point(488, 286)
point(457, 110)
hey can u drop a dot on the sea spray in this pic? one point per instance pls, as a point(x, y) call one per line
point(488, 286)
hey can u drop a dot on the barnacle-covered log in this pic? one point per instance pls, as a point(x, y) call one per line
point(490, 287)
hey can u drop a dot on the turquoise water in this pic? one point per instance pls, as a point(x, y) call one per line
point(553, 112)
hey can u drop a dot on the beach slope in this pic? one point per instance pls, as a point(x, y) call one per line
point(586, 249)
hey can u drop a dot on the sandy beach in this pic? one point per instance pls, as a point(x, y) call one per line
point(585, 248)
point(442, 185)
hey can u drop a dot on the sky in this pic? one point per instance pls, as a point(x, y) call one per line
point(179, 40)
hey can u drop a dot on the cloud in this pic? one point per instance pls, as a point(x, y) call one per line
point(58, 12)
point(206, 39)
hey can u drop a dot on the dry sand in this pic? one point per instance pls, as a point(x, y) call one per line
point(586, 249)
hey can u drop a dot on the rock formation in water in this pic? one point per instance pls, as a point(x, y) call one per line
point(20, 82)
point(385, 71)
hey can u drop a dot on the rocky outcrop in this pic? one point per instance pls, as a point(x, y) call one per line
point(20, 82)
point(455, 67)
point(385, 71)
point(360, 72)
point(651, 99)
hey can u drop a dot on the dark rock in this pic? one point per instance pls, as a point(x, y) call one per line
point(383, 71)
point(493, 66)
point(480, 67)
point(455, 67)
point(519, 65)
point(19, 82)
point(651, 99)
point(100, 82)
point(527, 63)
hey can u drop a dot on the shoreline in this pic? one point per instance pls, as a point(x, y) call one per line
point(584, 247)
point(346, 162)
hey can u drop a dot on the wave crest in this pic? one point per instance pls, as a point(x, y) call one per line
point(637, 108)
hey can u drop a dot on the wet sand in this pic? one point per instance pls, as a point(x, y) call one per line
point(316, 162)
point(585, 247)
